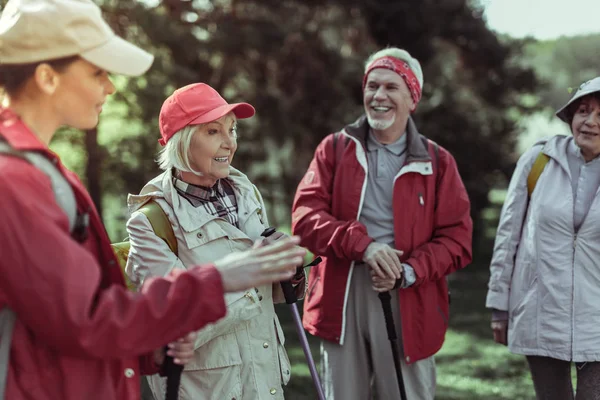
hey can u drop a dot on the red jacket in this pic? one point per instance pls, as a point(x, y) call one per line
point(79, 333)
point(432, 227)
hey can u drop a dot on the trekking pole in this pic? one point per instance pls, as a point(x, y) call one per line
point(290, 298)
point(386, 304)
point(173, 373)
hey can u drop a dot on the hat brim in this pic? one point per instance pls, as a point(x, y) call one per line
point(562, 113)
point(240, 110)
point(118, 56)
point(590, 87)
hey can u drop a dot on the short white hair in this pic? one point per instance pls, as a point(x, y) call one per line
point(399, 54)
point(176, 153)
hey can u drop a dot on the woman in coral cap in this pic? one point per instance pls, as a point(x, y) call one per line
point(214, 209)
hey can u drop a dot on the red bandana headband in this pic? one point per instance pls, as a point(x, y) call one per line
point(401, 68)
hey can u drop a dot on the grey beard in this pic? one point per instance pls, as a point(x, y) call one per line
point(380, 125)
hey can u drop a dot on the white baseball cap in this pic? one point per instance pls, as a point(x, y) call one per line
point(585, 88)
point(41, 30)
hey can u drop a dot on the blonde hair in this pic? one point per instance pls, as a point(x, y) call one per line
point(176, 153)
point(399, 54)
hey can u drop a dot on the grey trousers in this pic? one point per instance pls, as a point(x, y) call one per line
point(363, 366)
point(552, 379)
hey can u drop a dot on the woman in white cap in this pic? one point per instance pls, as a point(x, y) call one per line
point(214, 209)
point(69, 329)
point(545, 272)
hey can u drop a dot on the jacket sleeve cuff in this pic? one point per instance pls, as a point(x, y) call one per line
point(147, 364)
point(361, 247)
point(499, 315)
point(497, 300)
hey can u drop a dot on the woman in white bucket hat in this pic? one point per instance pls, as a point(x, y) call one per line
point(544, 288)
point(69, 329)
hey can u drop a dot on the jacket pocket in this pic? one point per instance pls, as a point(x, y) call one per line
point(212, 384)
point(252, 221)
point(215, 371)
point(444, 316)
point(207, 233)
point(524, 276)
point(222, 351)
point(524, 318)
point(524, 297)
point(312, 286)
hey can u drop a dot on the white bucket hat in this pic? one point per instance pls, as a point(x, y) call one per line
point(585, 88)
point(39, 30)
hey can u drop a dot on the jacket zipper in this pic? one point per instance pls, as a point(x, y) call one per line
point(573, 297)
point(360, 206)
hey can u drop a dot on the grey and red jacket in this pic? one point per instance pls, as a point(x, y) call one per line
point(432, 226)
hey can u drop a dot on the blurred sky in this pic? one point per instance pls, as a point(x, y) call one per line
point(543, 19)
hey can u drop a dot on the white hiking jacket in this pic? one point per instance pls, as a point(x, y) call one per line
point(241, 356)
point(544, 274)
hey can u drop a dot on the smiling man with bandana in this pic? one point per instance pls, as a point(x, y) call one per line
point(387, 210)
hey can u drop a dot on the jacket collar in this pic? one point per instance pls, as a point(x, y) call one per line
point(200, 192)
point(189, 217)
point(556, 148)
point(18, 135)
point(415, 148)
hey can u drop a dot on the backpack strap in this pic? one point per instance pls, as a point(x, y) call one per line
point(7, 322)
point(160, 224)
point(436, 164)
point(63, 193)
point(335, 147)
point(536, 170)
point(436, 152)
point(260, 210)
point(65, 198)
point(338, 149)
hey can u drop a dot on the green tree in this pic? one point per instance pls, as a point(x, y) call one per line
point(563, 64)
point(300, 63)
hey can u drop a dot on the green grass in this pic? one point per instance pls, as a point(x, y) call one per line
point(470, 365)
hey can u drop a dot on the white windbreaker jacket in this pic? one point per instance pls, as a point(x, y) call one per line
point(544, 274)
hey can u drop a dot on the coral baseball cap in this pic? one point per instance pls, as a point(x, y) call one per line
point(195, 104)
point(40, 30)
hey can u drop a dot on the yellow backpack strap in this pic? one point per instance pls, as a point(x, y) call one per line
point(260, 211)
point(160, 223)
point(537, 169)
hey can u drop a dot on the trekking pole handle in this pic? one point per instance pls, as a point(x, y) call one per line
point(286, 286)
point(173, 372)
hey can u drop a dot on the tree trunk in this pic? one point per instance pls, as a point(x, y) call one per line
point(94, 167)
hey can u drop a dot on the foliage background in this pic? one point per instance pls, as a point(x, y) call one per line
point(300, 64)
